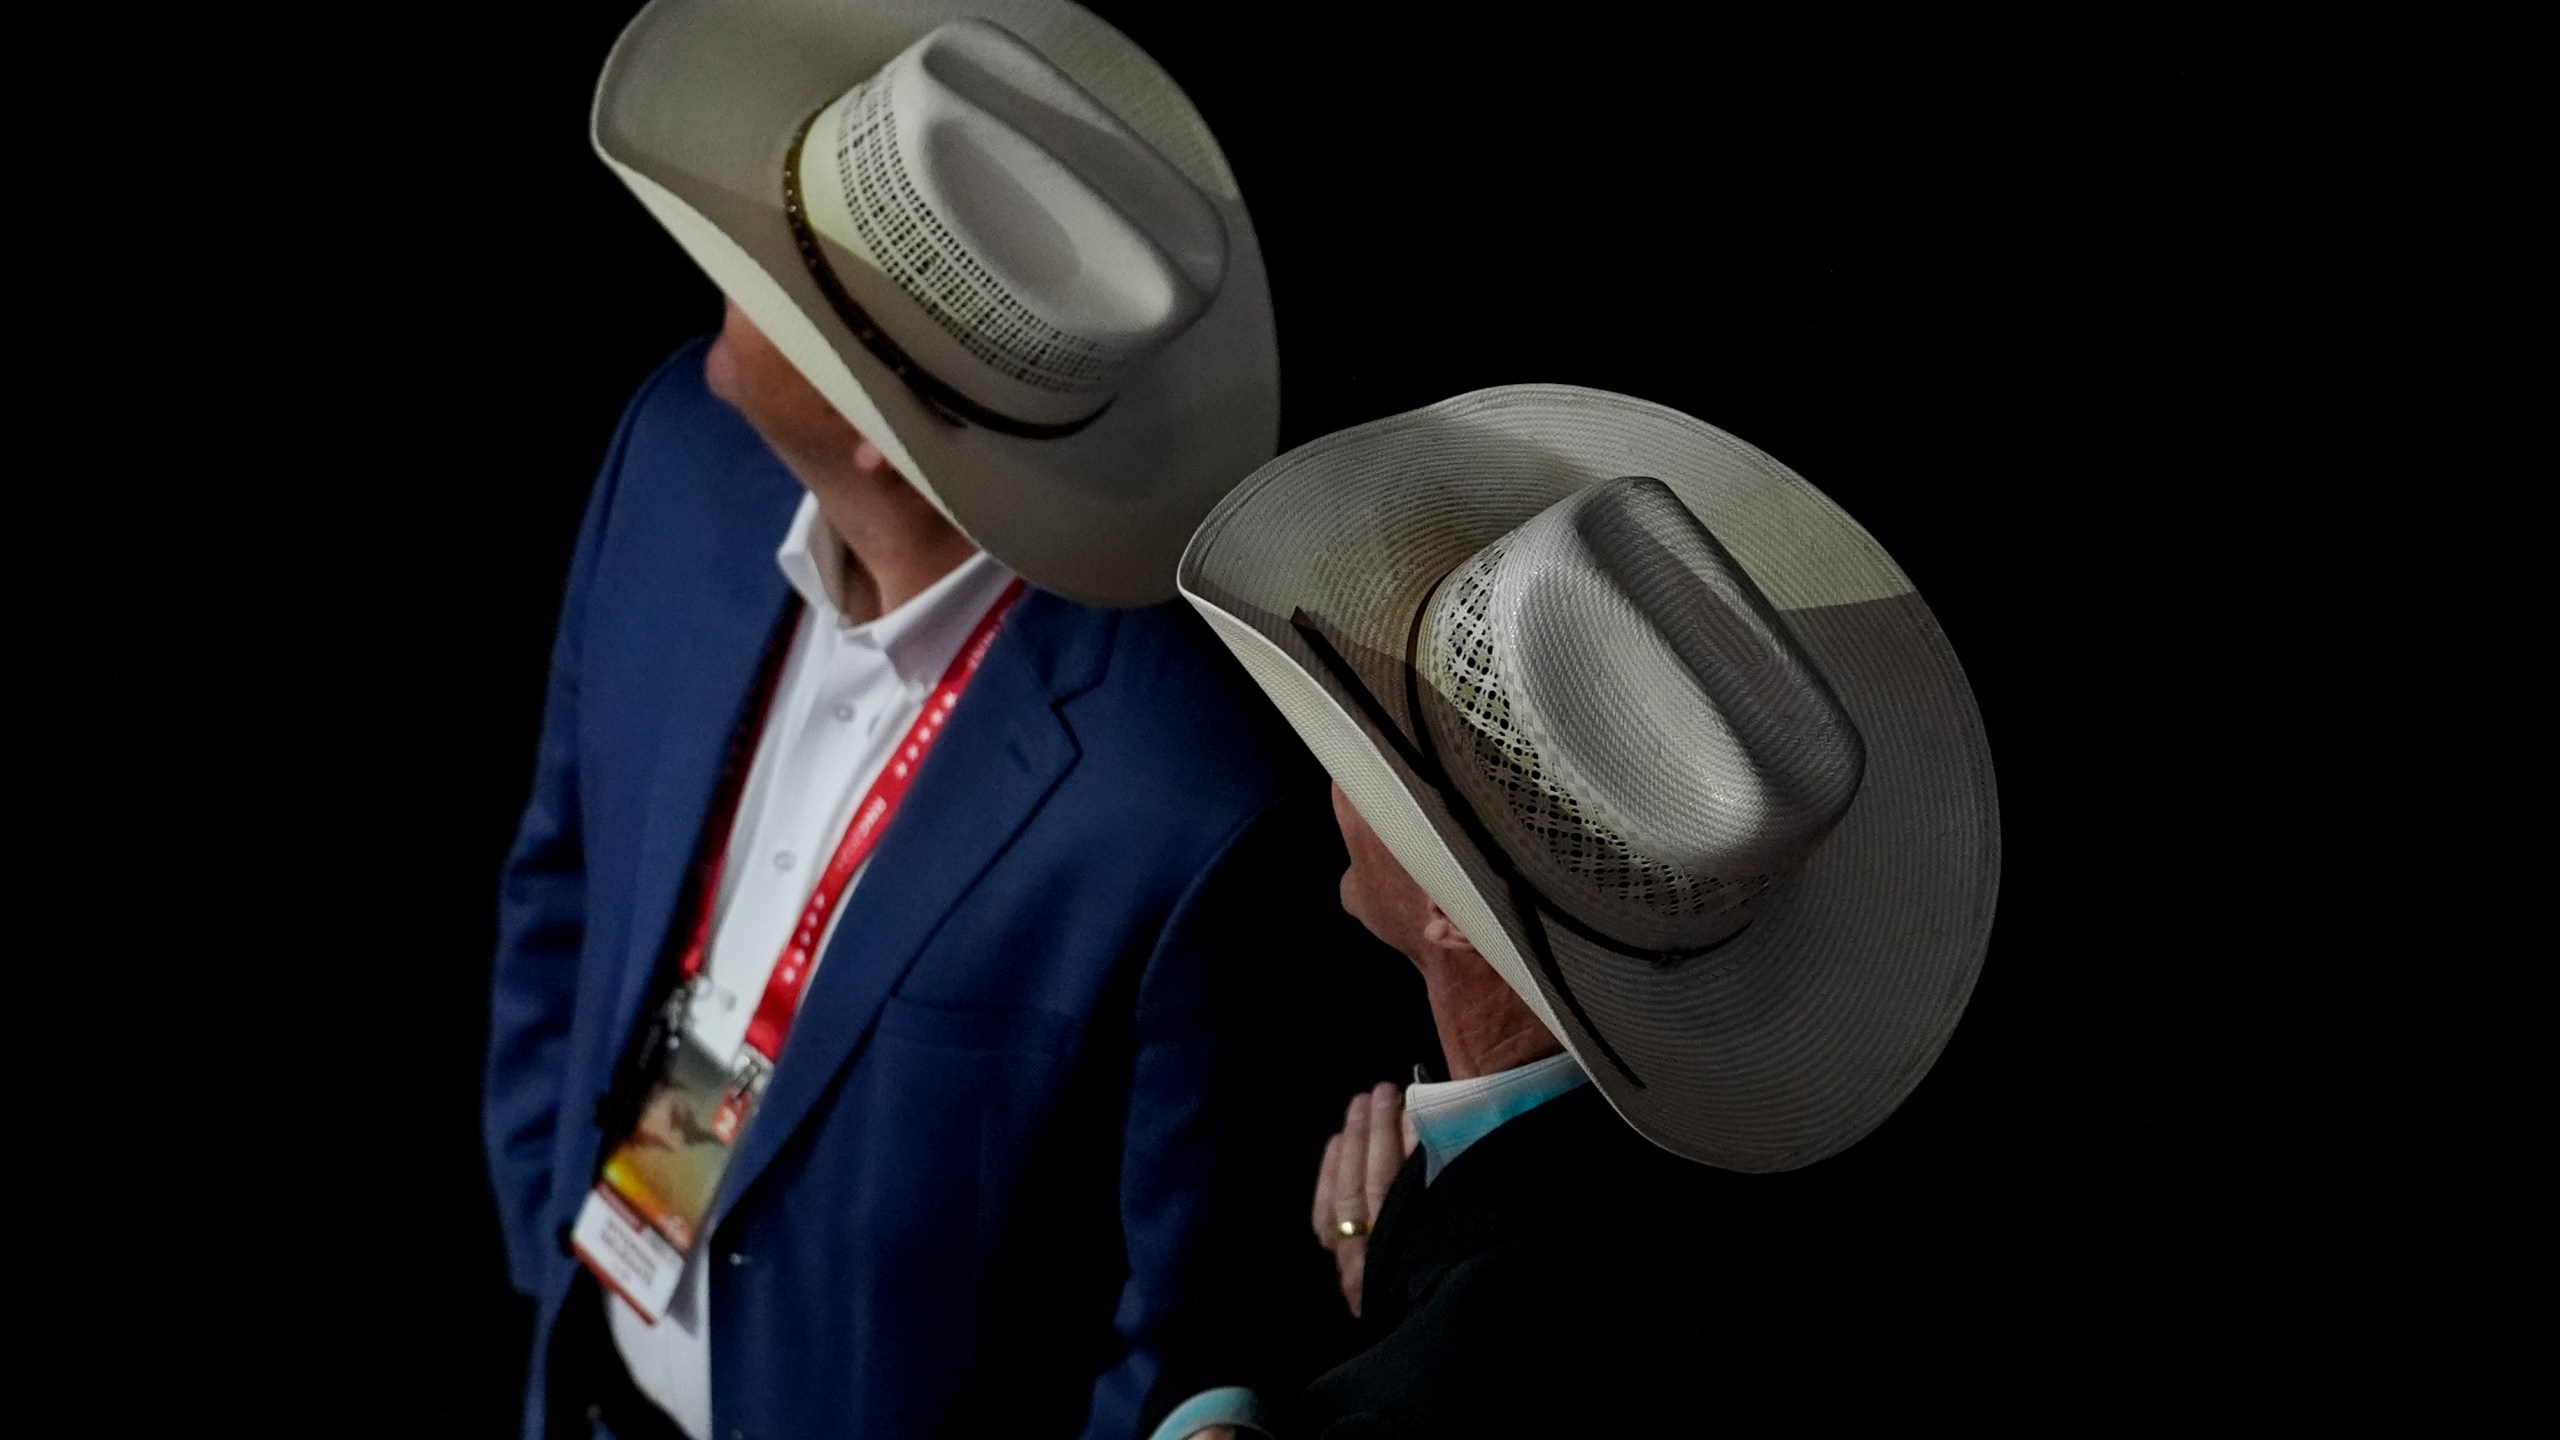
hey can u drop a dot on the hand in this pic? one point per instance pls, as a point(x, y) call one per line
point(1351, 1181)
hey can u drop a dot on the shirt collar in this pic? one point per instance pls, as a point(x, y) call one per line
point(1450, 1115)
point(920, 636)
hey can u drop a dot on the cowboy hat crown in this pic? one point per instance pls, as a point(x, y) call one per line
point(1624, 712)
point(1002, 227)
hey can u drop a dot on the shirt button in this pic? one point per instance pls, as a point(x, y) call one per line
point(844, 710)
point(783, 859)
point(737, 1257)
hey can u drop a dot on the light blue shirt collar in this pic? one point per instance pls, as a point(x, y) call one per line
point(1450, 1115)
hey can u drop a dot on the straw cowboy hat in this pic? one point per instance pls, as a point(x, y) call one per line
point(994, 234)
point(1662, 730)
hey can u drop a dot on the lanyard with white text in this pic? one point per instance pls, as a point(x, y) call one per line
point(655, 1186)
point(781, 1001)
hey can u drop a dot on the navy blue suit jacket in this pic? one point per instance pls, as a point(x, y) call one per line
point(1016, 1114)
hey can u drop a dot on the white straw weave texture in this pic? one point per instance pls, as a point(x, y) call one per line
point(1636, 729)
point(935, 268)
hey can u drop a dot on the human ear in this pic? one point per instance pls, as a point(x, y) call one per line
point(1442, 933)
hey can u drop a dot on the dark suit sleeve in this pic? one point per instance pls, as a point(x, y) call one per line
point(1245, 1055)
point(542, 923)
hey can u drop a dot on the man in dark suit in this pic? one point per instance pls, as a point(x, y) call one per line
point(1520, 1273)
point(888, 1033)
point(1656, 769)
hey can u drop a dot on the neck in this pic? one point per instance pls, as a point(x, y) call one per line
point(1485, 1027)
point(896, 544)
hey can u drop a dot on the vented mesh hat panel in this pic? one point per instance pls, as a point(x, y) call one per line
point(1641, 733)
point(938, 271)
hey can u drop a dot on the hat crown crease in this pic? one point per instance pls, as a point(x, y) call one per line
point(1106, 281)
point(1663, 752)
point(944, 197)
point(1719, 654)
point(1018, 89)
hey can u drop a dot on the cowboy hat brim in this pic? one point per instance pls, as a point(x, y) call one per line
point(1787, 1043)
point(695, 111)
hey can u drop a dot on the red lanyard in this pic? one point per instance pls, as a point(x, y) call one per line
point(791, 972)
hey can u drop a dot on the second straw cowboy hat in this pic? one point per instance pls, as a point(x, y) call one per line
point(995, 235)
point(1665, 732)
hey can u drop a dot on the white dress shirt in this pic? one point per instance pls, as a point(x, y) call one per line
point(846, 695)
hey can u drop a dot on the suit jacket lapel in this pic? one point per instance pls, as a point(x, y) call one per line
point(1381, 1288)
point(711, 669)
point(1003, 751)
point(1567, 1152)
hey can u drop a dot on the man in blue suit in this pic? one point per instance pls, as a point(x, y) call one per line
point(903, 969)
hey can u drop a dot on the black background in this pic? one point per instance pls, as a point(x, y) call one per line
point(1933, 269)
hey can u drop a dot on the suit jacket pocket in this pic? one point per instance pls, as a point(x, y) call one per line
point(966, 1090)
point(949, 1103)
point(943, 1027)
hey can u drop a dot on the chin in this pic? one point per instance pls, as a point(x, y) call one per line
point(720, 370)
point(1354, 904)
